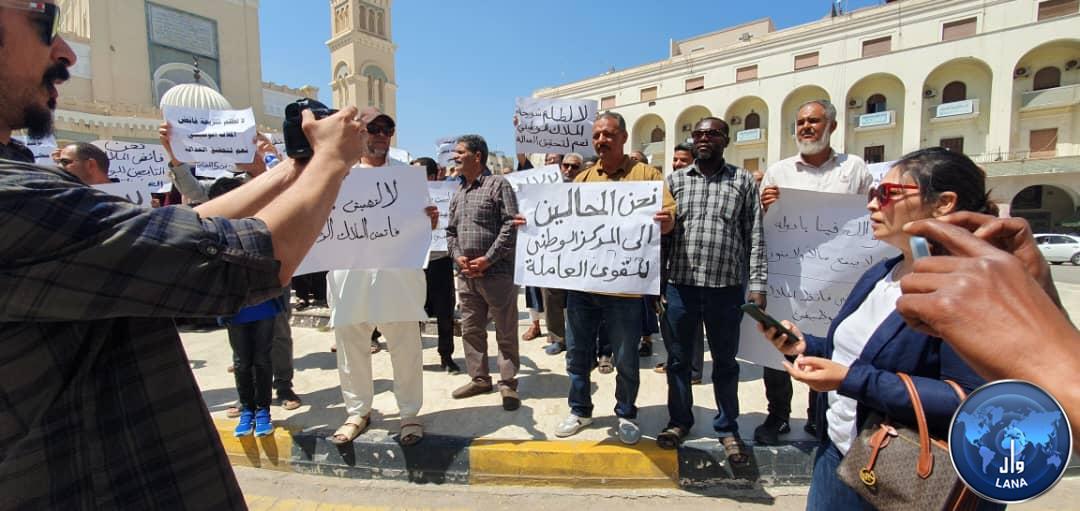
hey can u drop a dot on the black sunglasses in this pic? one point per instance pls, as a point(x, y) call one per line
point(573, 166)
point(45, 16)
point(379, 129)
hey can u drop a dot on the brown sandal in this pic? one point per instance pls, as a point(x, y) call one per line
point(350, 430)
point(411, 433)
point(671, 437)
point(735, 450)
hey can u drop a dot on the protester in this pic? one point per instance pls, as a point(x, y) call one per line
point(85, 161)
point(817, 168)
point(639, 157)
point(717, 246)
point(620, 315)
point(481, 239)
point(683, 156)
point(108, 413)
point(439, 276)
point(534, 296)
point(390, 300)
point(555, 299)
point(854, 367)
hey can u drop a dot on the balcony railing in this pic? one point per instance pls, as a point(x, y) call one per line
point(753, 136)
point(884, 119)
point(1050, 98)
point(965, 109)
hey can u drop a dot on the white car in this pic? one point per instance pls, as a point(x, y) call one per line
point(1058, 248)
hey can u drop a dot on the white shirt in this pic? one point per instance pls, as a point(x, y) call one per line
point(841, 173)
point(848, 342)
point(376, 296)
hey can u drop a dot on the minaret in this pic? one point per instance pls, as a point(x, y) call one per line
point(362, 54)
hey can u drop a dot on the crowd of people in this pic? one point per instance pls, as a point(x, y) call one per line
point(100, 408)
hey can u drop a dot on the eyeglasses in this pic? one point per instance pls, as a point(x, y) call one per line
point(885, 193)
point(379, 129)
point(707, 134)
point(47, 17)
point(571, 166)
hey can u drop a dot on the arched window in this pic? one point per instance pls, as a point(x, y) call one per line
point(342, 71)
point(1047, 78)
point(954, 91)
point(381, 25)
point(361, 19)
point(376, 81)
point(875, 104)
point(752, 122)
point(371, 21)
point(657, 135)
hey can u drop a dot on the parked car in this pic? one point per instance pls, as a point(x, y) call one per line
point(1058, 248)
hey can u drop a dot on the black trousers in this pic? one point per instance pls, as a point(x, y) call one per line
point(310, 287)
point(440, 301)
point(251, 344)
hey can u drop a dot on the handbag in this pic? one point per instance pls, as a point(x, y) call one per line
point(895, 467)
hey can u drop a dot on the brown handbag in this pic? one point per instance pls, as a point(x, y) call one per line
point(895, 467)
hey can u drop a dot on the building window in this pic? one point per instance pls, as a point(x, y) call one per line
point(607, 102)
point(953, 92)
point(751, 164)
point(955, 145)
point(657, 135)
point(381, 25)
point(695, 84)
point(1057, 8)
point(875, 104)
point(1047, 78)
point(875, 47)
point(958, 29)
point(806, 61)
point(746, 73)
point(648, 94)
point(1043, 143)
point(874, 154)
point(752, 122)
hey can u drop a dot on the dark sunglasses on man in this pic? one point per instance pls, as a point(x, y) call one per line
point(45, 16)
point(379, 129)
point(571, 166)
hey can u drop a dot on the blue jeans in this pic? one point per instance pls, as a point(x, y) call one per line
point(827, 491)
point(718, 308)
point(621, 318)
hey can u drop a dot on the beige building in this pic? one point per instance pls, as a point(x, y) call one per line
point(996, 79)
point(362, 55)
point(130, 52)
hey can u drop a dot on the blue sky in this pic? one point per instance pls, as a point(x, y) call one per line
point(460, 68)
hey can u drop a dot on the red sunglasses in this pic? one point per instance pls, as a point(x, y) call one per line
point(885, 193)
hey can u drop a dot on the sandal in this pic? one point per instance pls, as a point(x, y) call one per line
point(605, 366)
point(350, 430)
point(670, 438)
point(660, 368)
point(375, 347)
point(411, 433)
point(735, 450)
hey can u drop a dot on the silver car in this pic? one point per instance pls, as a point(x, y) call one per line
point(1058, 248)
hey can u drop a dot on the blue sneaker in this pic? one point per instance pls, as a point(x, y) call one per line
point(555, 348)
point(246, 424)
point(263, 426)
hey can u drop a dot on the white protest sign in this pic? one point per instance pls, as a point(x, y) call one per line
point(215, 169)
point(378, 221)
point(441, 193)
point(135, 162)
point(226, 136)
point(134, 192)
point(444, 150)
point(539, 176)
point(597, 237)
point(818, 245)
point(878, 170)
point(399, 154)
point(555, 125)
point(41, 147)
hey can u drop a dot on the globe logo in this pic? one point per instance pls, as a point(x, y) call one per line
point(1010, 441)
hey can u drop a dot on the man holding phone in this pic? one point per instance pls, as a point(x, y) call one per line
point(717, 245)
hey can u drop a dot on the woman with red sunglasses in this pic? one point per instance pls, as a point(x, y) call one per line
point(855, 366)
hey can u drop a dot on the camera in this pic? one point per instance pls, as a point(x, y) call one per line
point(296, 144)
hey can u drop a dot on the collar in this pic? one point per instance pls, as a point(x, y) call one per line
point(725, 168)
point(624, 167)
point(801, 161)
point(479, 179)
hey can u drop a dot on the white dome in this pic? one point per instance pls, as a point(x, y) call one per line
point(194, 95)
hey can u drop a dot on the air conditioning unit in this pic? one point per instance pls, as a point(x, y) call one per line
point(929, 93)
point(736, 120)
point(687, 127)
point(1070, 65)
point(854, 103)
point(1020, 72)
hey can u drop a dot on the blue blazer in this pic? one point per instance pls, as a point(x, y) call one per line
point(894, 347)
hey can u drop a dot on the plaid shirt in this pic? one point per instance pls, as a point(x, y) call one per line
point(719, 233)
point(98, 405)
point(482, 222)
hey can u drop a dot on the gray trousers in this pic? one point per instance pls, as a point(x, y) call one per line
point(281, 351)
point(555, 314)
point(493, 295)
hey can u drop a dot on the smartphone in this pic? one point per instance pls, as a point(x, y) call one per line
point(919, 247)
point(768, 321)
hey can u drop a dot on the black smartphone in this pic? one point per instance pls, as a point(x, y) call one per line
point(768, 321)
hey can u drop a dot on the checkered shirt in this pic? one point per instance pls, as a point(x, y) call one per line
point(482, 222)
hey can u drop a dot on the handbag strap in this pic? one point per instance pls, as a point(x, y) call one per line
point(926, 458)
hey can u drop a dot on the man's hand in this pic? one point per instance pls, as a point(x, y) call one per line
point(666, 221)
point(258, 163)
point(759, 299)
point(520, 221)
point(479, 265)
point(820, 374)
point(463, 267)
point(769, 195)
point(340, 137)
point(164, 132)
point(433, 214)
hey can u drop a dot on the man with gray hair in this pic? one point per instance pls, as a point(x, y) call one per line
point(817, 168)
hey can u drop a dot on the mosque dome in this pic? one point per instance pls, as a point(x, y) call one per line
point(195, 95)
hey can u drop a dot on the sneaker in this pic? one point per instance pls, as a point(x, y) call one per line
point(768, 433)
point(571, 425)
point(555, 348)
point(645, 348)
point(473, 388)
point(629, 432)
point(263, 425)
point(246, 424)
point(810, 428)
point(510, 399)
point(288, 399)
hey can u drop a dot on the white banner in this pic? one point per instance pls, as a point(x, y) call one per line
point(597, 237)
point(134, 192)
point(225, 136)
point(41, 147)
point(135, 162)
point(539, 176)
point(441, 193)
point(378, 221)
point(818, 245)
point(444, 150)
point(555, 125)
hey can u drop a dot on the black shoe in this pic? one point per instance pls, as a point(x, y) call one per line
point(810, 428)
point(645, 349)
point(768, 433)
point(449, 365)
